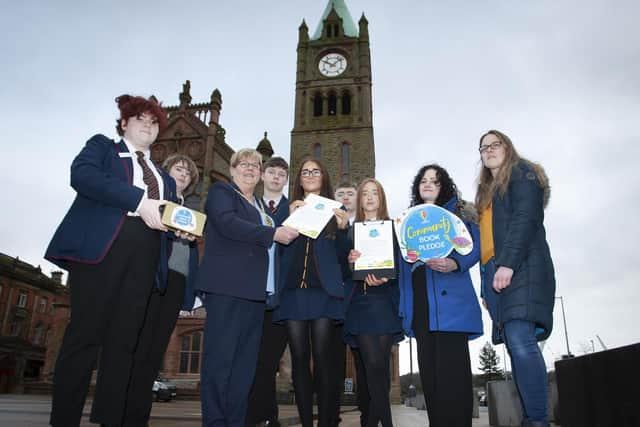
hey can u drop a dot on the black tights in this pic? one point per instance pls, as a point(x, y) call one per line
point(306, 336)
point(376, 351)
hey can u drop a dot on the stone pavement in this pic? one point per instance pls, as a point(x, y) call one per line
point(33, 411)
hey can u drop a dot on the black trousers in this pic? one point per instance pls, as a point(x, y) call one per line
point(262, 398)
point(445, 365)
point(108, 305)
point(162, 314)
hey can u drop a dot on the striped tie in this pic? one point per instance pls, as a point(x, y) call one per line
point(153, 191)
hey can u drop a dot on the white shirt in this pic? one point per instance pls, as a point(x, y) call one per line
point(138, 174)
point(276, 201)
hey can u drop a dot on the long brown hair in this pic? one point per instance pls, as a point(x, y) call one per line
point(326, 190)
point(488, 185)
point(383, 212)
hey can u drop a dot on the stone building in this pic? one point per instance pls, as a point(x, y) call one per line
point(33, 315)
point(333, 115)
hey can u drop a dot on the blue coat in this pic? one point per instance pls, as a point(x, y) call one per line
point(236, 260)
point(102, 175)
point(520, 243)
point(453, 303)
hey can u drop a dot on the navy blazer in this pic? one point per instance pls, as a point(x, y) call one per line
point(236, 260)
point(103, 181)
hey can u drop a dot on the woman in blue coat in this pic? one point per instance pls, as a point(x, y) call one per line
point(440, 308)
point(518, 279)
point(311, 277)
point(372, 323)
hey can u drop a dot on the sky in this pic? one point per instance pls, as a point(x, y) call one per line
point(561, 78)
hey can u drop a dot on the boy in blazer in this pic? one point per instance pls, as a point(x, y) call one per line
point(113, 244)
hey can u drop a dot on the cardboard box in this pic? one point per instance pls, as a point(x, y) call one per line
point(178, 217)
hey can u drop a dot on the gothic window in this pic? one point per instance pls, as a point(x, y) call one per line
point(346, 103)
point(336, 30)
point(333, 104)
point(317, 151)
point(345, 154)
point(190, 353)
point(329, 28)
point(317, 105)
point(22, 300)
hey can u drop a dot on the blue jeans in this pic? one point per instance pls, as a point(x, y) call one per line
point(528, 368)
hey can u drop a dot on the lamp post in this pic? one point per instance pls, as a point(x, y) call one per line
point(412, 388)
point(566, 336)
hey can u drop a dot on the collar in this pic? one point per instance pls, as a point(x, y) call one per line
point(132, 149)
point(276, 201)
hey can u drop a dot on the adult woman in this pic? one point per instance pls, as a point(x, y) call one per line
point(311, 297)
point(112, 241)
point(162, 310)
point(235, 276)
point(372, 322)
point(440, 307)
point(518, 282)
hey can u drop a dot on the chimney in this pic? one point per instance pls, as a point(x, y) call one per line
point(56, 276)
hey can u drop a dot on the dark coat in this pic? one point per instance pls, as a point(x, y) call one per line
point(520, 243)
point(102, 175)
point(236, 260)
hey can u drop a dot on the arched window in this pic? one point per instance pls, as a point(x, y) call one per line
point(346, 103)
point(329, 27)
point(190, 353)
point(317, 105)
point(333, 104)
point(317, 151)
point(345, 164)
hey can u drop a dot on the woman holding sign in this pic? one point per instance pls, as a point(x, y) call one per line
point(518, 281)
point(311, 280)
point(372, 323)
point(440, 308)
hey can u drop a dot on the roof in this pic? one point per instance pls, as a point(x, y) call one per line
point(342, 10)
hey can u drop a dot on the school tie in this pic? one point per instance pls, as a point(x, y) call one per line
point(153, 191)
point(272, 206)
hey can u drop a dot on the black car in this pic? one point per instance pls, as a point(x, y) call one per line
point(163, 390)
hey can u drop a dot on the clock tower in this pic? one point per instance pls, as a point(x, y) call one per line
point(333, 117)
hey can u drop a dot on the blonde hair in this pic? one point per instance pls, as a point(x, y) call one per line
point(245, 153)
point(488, 185)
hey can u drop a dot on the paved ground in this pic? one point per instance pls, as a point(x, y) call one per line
point(33, 411)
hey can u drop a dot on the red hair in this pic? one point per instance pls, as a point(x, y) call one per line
point(131, 106)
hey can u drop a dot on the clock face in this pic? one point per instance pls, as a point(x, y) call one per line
point(332, 65)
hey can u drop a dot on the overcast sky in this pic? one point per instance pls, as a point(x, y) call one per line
point(561, 78)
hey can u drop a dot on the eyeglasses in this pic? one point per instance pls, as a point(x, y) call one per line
point(312, 172)
point(248, 165)
point(493, 146)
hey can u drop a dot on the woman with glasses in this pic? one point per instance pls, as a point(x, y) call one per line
point(440, 308)
point(311, 297)
point(518, 280)
point(236, 274)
